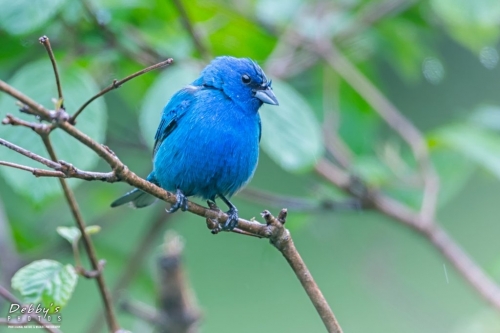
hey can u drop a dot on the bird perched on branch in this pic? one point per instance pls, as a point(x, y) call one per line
point(207, 143)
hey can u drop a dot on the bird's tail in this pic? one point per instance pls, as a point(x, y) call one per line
point(137, 198)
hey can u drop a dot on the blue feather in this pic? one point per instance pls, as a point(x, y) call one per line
point(207, 143)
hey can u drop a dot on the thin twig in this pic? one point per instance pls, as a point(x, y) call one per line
point(27, 153)
point(34, 171)
point(44, 40)
point(37, 127)
point(116, 84)
point(12, 299)
point(188, 25)
point(62, 169)
point(75, 210)
point(282, 240)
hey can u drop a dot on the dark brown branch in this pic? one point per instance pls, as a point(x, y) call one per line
point(116, 84)
point(44, 40)
point(12, 299)
point(75, 210)
point(188, 25)
point(282, 240)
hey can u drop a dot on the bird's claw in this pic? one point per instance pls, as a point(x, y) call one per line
point(182, 203)
point(232, 219)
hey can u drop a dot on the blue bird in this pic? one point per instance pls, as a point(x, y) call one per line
point(207, 143)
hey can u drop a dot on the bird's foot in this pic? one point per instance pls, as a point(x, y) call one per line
point(182, 203)
point(232, 219)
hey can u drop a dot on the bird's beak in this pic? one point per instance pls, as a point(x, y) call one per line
point(266, 96)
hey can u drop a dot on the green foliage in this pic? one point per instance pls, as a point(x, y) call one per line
point(47, 282)
point(23, 16)
point(298, 143)
point(476, 144)
point(36, 80)
point(474, 23)
point(73, 234)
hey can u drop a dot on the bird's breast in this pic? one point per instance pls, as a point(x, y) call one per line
point(209, 153)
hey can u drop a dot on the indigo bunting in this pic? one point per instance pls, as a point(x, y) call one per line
point(207, 143)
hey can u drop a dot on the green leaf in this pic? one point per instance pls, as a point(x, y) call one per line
point(37, 81)
point(479, 145)
point(71, 234)
point(474, 23)
point(291, 134)
point(372, 170)
point(275, 11)
point(487, 116)
point(22, 16)
point(454, 170)
point(47, 282)
point(92, 229)
point(360, 125)
point(482, 321)
point(165, 86)
point(406, 58)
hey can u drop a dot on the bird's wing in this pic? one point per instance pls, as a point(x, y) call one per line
point(173, 111)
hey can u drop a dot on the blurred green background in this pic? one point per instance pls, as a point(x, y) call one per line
point(436, 60)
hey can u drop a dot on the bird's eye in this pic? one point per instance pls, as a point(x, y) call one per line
point(245, 79)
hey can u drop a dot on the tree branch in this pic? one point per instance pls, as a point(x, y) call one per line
point(27, 153)
point(282, 240)
point(62, 169)
point(44, 40)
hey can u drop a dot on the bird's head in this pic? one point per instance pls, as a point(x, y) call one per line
point(241, 79)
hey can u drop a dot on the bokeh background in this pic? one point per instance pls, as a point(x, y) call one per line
point(436, 60)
